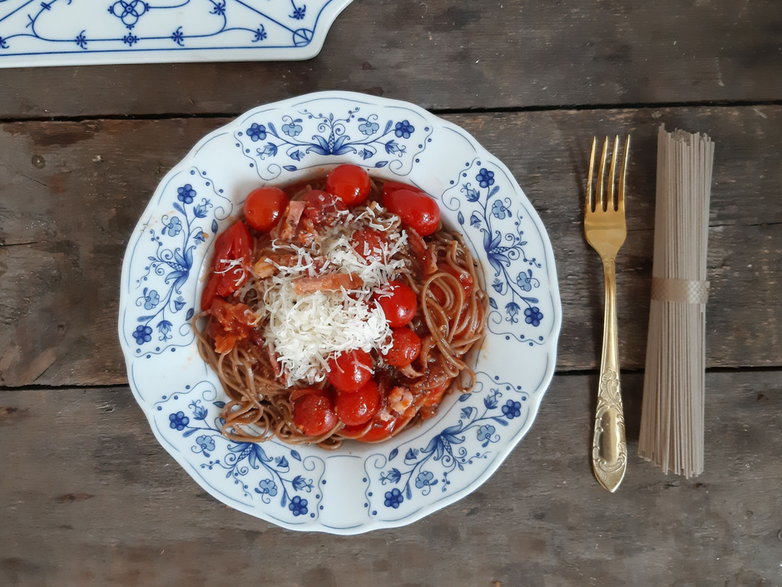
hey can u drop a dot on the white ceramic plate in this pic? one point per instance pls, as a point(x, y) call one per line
point(359, 487)
point(64, 32)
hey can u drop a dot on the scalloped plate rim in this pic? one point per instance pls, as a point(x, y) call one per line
point(508, 445)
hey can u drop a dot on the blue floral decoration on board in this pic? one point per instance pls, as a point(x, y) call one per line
point(154, 25)
point(495, 222)
point(292, 142)
point(165, 308)
point(270, 473)
point(418, 469)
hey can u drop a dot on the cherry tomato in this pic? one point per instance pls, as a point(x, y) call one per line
point(313, 412)
point(351, 370)
point(424, 254)
point(416, 209)
point(264, 207)
point(406, 347)
point(349, 183)
point(360, 406)
point(232, 252)
point(434, 385)
point(383, 429)
point(435, 393)
point(465, 279)
point(399, 303)
point(210, 291)
point(392, 186)
point(320, 205)
point(368, 243)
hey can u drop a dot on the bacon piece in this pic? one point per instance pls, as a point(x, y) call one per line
point(307, 233)
point(275, 363)
point(421, 250)
point(230, 324)
point(286, 228)
point(328, 282)
point(264, 269)
point(267, 265)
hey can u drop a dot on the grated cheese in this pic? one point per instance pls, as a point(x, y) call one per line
point(305, 330)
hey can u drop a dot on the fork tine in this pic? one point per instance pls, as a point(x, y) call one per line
point(601, 202)
point(611, 204)
point(623, 176)
point(589, 204)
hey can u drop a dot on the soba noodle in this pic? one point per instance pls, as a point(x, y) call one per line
point(450, 321)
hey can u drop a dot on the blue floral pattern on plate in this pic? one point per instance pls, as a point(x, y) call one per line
point(358, 487)
point(176, 239)
point(110, 31)
point(490, 216)
point(282, 479)
point(301, 140)
point(415, 469)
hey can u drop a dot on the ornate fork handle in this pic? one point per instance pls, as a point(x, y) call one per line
point(609, 448)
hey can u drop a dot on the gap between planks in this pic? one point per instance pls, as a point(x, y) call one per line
point(435, 111)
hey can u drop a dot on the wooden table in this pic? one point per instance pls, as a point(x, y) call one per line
point(89, 498)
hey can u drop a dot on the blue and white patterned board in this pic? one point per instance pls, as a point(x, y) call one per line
point(80, 32)
point(358, 487)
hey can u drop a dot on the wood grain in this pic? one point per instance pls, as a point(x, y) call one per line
point(90, 498)
point(446, 55)
point(72, 192)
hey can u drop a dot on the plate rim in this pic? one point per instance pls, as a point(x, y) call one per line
point(501, 453)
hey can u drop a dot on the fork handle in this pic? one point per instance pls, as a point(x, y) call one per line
point(609, 447)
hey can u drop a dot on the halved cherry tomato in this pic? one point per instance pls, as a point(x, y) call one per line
point(465, 279)
point(384, 429)
point(416, 209)
point(351, 370)
point(399, 303)
point(320, 205)
point(435, 394)
point(230, 323)
point(210, 291)
point(313, 412)
point(433, 386)
point(350, 183)
point(424, 254)
point(406, 347)
point(231, 256)
point(368, 243)
point(360, 406)
point(264, 207)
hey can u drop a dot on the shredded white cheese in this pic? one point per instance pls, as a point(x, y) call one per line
point(305, 330)
point(374, 272)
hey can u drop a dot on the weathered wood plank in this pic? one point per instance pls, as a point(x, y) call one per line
point(457, 55)
point(71, 193)
point(89, 498)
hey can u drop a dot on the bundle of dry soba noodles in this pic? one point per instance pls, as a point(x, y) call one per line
point(672, 420)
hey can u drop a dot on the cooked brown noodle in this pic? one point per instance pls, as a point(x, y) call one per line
point(449, 324)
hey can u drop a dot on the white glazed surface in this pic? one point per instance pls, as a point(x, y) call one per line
point(359, 487)
point(62, 32)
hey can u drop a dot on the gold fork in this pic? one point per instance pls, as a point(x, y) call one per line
point(605, 230)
